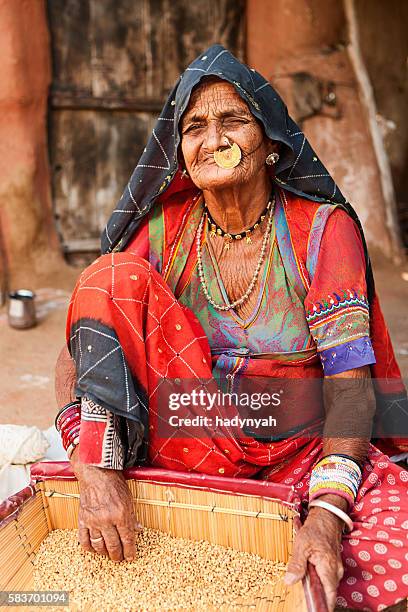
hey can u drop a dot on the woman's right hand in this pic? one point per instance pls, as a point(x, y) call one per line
point(105, 510)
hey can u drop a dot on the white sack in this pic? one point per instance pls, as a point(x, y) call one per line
point(20, 444)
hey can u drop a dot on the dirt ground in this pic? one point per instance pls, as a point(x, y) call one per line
point(28, 357)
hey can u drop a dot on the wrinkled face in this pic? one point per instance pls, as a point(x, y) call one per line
point(216, 112)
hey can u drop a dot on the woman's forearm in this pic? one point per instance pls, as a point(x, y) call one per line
point(65, 378)
point(354, 447)
point(87, 470)
point(350, 407)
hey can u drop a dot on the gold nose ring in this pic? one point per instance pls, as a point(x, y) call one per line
point(228, 158)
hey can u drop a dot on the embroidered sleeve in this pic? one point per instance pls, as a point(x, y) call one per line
point(336, 306)
point(100, 443)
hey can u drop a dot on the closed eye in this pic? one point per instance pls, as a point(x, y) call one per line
point(235, 120)
point(192, 127)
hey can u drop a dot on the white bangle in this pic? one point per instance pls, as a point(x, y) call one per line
point(319, 503)
point(72, 446)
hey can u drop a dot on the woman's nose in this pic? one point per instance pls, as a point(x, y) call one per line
point(213, 138)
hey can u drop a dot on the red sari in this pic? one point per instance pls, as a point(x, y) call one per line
point(123, 304)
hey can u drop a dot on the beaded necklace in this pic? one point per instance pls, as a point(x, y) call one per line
point(251, 285)
point(228, 237)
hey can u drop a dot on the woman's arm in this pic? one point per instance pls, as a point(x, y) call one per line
point(350, 405)
point(349, 402)
point(106, 505)
point(65, 378)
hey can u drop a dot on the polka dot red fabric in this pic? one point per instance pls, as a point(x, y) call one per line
point(375, 554)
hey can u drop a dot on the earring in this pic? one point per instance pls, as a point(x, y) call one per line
point(184, 174)
point(272, 159)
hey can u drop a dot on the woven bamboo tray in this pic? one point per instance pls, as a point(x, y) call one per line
point(247, 515)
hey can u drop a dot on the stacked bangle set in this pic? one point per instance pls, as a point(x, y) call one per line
point(336, 474)
point(67, 423)
point(339, 475)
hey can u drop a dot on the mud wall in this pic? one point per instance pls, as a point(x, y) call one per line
point(301, 47)
point(383, 30)
point(29, 245)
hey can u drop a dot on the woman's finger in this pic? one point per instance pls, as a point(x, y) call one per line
point(297, 565)
point(113, 543)
point(127, 537)
point(328, 575)
point(97, 542)
point(84, 539)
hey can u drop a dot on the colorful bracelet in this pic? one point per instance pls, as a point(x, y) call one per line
point(70, 434)
point(340, 460)
point(65, 410)
point(68, 423)
point(349, 457)
point(336, 474)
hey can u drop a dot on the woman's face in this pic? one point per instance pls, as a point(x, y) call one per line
point(216, 112)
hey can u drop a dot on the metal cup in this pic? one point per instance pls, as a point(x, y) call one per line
point(21, 309)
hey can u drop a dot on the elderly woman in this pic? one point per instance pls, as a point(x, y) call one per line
point(233, 257)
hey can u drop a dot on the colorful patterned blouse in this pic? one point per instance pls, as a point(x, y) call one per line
point(331, 316)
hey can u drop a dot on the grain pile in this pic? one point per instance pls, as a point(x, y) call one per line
point(168, 573)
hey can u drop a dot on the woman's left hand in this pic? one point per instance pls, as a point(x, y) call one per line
point(318, 541)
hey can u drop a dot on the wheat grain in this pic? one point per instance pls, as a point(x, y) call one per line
point(168, 573)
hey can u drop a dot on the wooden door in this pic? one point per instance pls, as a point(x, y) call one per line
point(114, 62)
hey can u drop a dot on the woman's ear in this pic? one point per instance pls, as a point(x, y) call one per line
point(273, 153)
